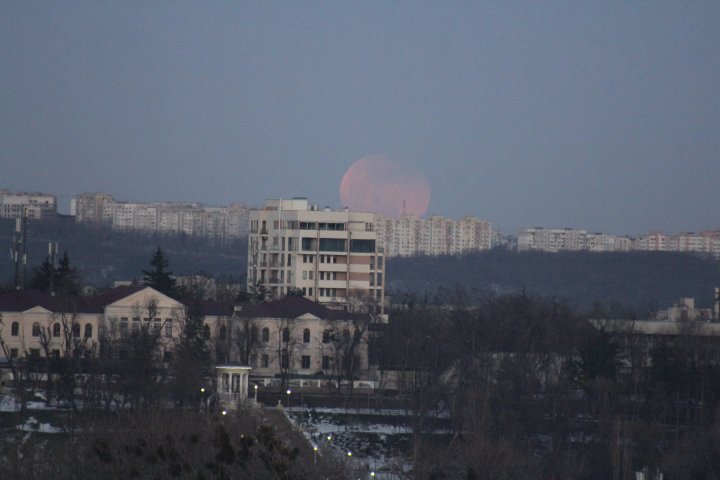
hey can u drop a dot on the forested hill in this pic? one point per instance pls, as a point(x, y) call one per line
point(643, 280)
point(102, 255)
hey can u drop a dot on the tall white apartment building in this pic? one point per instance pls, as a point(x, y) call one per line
point(35, 205)
point(332, 256)
point(410, 235)
point(568, 239)
point(218, 223)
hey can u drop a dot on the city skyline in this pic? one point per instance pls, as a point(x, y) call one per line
point(591, 116)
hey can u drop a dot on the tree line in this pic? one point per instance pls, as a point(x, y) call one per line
point(532, 389)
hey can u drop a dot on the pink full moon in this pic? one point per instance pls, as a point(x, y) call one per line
point(378, 184)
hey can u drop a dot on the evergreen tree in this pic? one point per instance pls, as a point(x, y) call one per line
point(61, 279)
point(158, 276)
point(42, 275)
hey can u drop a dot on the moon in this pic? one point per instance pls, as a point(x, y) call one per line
point(379, 184)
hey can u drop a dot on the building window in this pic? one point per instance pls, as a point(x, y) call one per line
point(13, 353)
point(56, 329)
point(56, 354)
point(306, 361)
point(223, 332)
point(265, 334)
point(253, 361)
point(326, 336)
point(123, 328)
point(286, 335)
point(264, 360)
point(306, 335)
point(168, 327)
point(36, 329)
point(326, 362)
point(88, 330)
point(15, 329)
point(76, 330)
point(35, 352)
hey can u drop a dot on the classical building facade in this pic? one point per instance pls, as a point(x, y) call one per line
point(293, 338)
point(331, 256)
point(37, 324)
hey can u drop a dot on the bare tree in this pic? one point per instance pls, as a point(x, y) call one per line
point(18, 366)
point(286, 345)
point(246, 338)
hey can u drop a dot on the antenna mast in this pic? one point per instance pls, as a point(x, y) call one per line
point(19, 251)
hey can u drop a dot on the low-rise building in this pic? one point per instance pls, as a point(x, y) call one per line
point(38, 324)
point(296, 337)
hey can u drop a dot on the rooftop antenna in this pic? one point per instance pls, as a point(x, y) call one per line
point(52, 255)
point(19, 251)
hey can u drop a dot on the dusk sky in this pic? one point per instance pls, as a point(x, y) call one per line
point(596, 115)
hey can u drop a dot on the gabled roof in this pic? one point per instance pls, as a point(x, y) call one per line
point(112, 295)
point(24, 300)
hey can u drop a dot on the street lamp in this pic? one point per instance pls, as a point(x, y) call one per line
point(315, 449)
point(349, 453)
point(372, 474)
point(224, 412)
point(288, 397)
point(256, 393)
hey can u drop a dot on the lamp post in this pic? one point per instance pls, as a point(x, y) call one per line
point(315, 450)
point(288, 397)
point(256, 388)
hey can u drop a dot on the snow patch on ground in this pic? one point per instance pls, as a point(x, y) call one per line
point(32, 425)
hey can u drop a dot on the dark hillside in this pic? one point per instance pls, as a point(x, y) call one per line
point(102, 255)
point(645, 280)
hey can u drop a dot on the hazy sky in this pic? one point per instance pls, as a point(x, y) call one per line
point(604, 116)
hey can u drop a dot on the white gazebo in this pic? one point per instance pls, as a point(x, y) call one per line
point(232, 385)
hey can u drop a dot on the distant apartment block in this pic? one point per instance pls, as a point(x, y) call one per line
point(35, 205)
point(331, 256)
point(217, 223)
point(568, 239)
point(707, 242)
point(410, 235)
